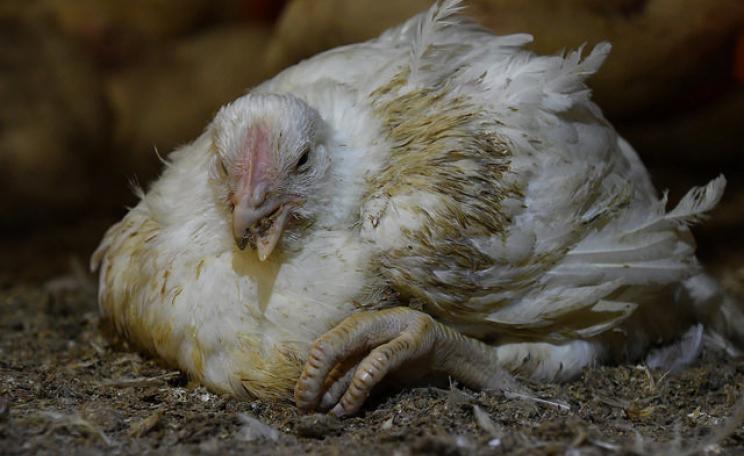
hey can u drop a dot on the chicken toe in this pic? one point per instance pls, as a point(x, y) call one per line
point(337, 388)
point(390, 339)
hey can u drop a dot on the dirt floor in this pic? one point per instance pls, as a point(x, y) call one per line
point(65, 389)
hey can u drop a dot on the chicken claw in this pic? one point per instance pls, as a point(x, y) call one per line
point(339, 377)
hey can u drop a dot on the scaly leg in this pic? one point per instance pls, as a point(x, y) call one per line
point(392, 337)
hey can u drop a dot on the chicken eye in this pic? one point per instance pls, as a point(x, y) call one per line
point(303, 158)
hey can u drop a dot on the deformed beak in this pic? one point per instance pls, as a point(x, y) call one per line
point(260, 226)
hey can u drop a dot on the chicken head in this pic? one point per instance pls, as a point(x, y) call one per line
point(268, 158)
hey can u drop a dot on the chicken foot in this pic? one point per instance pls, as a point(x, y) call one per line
point(337, 375)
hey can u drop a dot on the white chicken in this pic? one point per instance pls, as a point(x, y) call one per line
point(437, 197)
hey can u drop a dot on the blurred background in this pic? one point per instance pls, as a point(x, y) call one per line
point(92, 90)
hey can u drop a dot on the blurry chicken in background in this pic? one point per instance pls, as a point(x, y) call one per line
point(437, 200)
point(53, 124)
point(739, 60)
point(168, 65)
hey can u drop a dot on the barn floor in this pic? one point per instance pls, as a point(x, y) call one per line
point(64, 388)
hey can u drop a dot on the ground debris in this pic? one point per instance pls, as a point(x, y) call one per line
point(253, 429)
point(4, 408)
point(317, 425)
point(446, 445)
point(74, 421)
point(96, 397)
point(145, 425)
point(141, 381)
point(486, 423)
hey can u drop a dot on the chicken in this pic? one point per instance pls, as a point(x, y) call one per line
point(434, 201)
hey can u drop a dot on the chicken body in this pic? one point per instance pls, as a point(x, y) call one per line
point(451, 172)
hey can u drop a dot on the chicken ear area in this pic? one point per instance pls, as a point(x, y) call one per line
point(336, 377)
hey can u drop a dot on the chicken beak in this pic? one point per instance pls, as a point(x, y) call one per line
point(261, 226)
point(266, 242)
